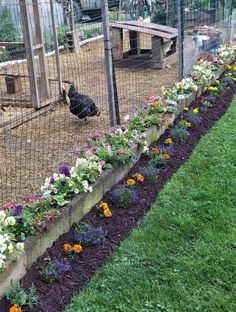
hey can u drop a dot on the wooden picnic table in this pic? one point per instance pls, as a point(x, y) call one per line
point(164, 40)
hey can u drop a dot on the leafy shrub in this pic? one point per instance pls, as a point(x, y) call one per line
point(87, 235)
point(123, 196)
point(53, 270)
point(18, 296)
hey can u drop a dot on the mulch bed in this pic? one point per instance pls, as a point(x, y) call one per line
point(55, 297)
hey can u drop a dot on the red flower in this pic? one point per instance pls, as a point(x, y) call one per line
point(164, 120)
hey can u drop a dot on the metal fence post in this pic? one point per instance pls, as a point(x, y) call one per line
point(181, 22)
point(113, 111)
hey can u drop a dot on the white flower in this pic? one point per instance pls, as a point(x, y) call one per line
point(126, 118)
point(2, 263)
point(10, 221)
point(2, 215)
point(20, 246)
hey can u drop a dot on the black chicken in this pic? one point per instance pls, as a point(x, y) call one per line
point(81, 105)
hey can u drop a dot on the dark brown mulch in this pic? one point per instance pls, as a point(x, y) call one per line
point(55, 297)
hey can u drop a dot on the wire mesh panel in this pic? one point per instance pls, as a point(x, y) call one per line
point(47, 45)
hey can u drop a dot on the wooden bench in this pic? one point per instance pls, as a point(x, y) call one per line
point(164, 42)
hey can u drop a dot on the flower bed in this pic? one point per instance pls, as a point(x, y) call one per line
point(60, 188)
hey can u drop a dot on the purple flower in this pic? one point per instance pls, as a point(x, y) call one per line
point(17, 211)
point(20, 220)
point(134, 159)
point(65, 170)
point(145, 105)
point(52, 180)
point(132, 145)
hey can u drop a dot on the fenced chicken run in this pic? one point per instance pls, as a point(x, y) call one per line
point(117, 53)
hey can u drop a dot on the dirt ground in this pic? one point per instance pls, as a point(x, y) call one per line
point(34, 150)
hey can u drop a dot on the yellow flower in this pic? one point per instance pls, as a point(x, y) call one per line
point(234, 79)
point(162, 89)
point(77, 248)
point(195, 110)
point(107, 213)
point(185, 108)
point(180, 85)
point(217, 81)
point(104, 206)
point(67, 247)
point(156, 104)
point(15, 308)
point(211, 88)
point(169, 141)
point(188, 124)
point(234, 68)
point(229, 67)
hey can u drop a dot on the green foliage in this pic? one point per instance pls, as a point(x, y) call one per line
point(198, 4)
point(8, 30)
point(104, 153)
point(17, 295)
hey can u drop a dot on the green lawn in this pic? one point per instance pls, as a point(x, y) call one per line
point(183, 256)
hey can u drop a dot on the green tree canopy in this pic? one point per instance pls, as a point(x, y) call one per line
point(8, 29)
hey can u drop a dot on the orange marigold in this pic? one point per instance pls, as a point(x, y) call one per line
point(155, 150)
point(166, 156)
point(67, 247)
point(139, 177)
point(130, 181)
point(104, 205)
point(107, 213)
point(15, 308)
point(77, 248)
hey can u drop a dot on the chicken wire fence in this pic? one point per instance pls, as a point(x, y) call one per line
point(117, 60)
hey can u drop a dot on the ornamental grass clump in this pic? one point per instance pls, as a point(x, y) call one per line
point(87, 235)
point(52, 271)
point(123, 196)
point(179, 134)
point(19, 298)
point(149, 172)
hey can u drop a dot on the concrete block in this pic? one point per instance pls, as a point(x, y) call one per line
point(15, 270)
point(82, 204)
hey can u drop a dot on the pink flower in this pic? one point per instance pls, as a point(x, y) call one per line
point(76, 151)
point(102, 163)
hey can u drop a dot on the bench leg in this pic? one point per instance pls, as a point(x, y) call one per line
point(117, 43)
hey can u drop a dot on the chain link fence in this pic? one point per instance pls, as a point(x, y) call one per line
point(117, 60)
